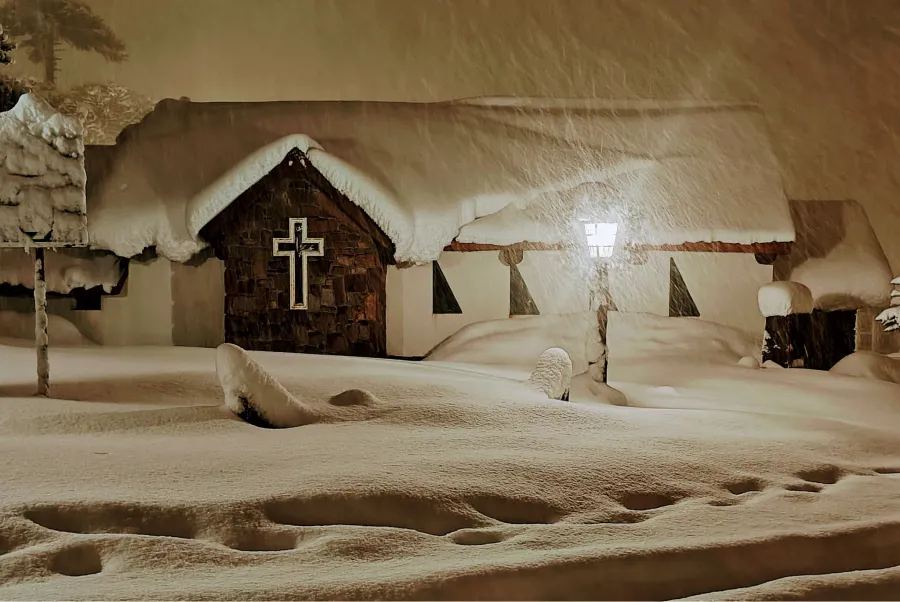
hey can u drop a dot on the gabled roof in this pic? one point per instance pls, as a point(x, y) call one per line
point(681, 172)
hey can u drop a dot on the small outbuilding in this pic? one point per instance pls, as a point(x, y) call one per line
point(838, 258)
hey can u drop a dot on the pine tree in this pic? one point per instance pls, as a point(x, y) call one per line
point(6, 48)
point(890, 318)
point(44, 25)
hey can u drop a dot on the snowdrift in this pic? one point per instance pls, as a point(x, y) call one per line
point(519, 342)
point(18, 329)
point(867, 364)
point(458, 486)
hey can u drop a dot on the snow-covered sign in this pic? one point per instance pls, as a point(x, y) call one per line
point(42, 177)
point(42, 197)
point(297, 248)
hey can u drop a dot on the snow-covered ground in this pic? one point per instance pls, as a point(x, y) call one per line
point(718, 481)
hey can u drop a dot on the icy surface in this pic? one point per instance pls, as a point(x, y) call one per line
point(455, 485)
point(42, 177)
point(784, 299)
point(837, 256)
point(422, 171)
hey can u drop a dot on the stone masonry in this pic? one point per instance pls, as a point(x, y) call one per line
point(346, 314)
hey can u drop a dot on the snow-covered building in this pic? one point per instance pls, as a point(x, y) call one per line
point(837, 257)
point(414, 220)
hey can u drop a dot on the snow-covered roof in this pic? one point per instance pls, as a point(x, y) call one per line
point(687, 172)
point(837, 256)
point(42, 177)
point(65, 270)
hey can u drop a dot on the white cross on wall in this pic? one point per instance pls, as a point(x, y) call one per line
point(298, 246)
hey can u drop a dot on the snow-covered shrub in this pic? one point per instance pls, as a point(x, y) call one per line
point(890, 318)
point(553, 374)
point(784, 299)
point(104, 109)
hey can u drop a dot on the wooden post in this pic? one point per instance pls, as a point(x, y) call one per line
point(41, 337)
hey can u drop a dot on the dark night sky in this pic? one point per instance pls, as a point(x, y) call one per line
point(825, 71)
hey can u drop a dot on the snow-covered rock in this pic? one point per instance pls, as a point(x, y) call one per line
point(553, 374)
point(254, 395)
point(771, 364)
point(784, 299)
point(42, 177)
point(867, 364)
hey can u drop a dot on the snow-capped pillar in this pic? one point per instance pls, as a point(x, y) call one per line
point(41, 335)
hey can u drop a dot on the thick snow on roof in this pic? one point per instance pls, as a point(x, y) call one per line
point(64, 269)
point(42, 177)
point(837, 256)
point(688, 172)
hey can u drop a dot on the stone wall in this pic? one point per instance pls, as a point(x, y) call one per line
point(346, 314)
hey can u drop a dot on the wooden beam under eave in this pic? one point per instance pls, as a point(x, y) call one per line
point(759, 248)
point(464, 247)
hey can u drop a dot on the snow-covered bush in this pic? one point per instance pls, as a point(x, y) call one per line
point(105, 109)
point(890, 318)
point(784, 299)
point(553, 374)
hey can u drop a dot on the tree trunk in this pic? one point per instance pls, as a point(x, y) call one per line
point(50, 59)
point(41, 337)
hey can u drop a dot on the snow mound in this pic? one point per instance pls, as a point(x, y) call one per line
point(553, 374)
point(254, 395)
point(607, 394)
point(748, 362)
point(42, 177)
point(257, 397)
point(770, 364)
point(633, 337)
point(519, 342)
point(784, 299)
point(867, 364)
point(17, 329)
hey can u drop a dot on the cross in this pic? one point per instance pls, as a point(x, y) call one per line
point(297, 246)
